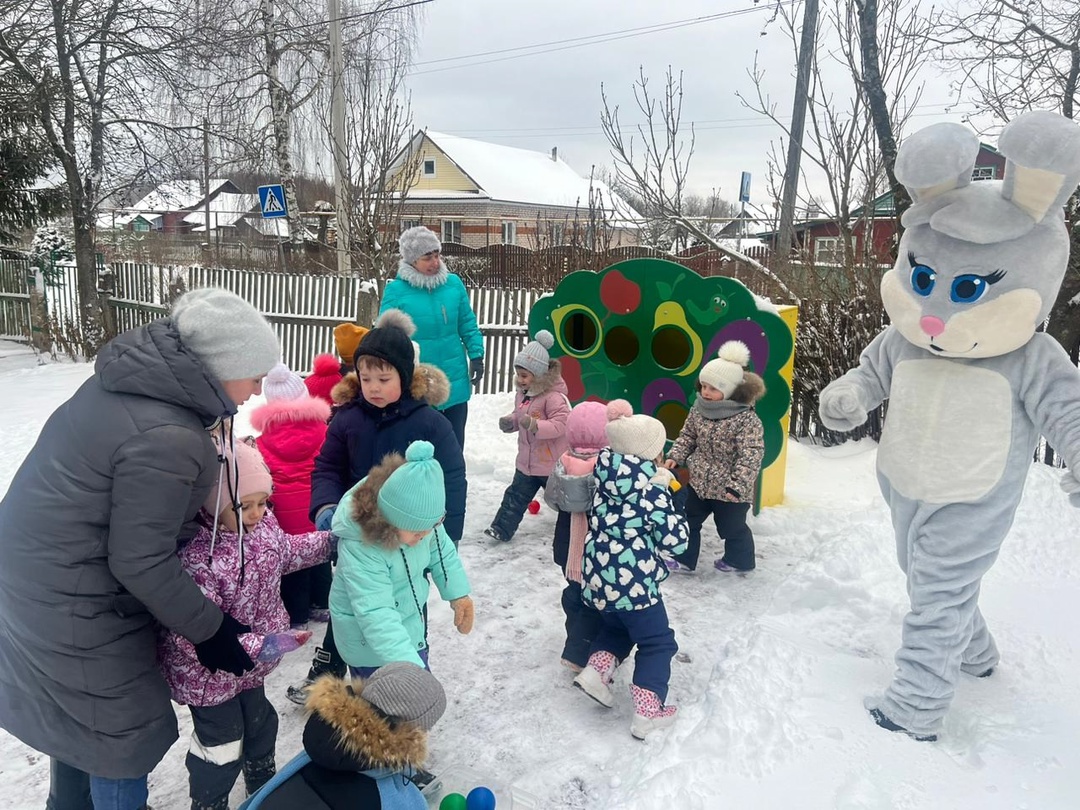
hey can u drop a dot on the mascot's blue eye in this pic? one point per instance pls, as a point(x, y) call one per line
point(922, 279)
point(968, 289)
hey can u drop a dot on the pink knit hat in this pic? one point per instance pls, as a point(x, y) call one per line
point(251, 476)
point(586, 428)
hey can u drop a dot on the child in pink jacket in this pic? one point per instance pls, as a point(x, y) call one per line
point(541, 409)
point(293, 428)
point(570, 489)
point(237, 559)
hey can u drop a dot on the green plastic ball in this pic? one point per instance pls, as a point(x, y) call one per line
point(453, 801)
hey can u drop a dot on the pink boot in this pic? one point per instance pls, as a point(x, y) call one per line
point(649, 712)
point(595, 679)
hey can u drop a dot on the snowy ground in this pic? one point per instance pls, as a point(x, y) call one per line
point(777, 663)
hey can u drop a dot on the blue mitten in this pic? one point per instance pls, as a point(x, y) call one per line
point(840, 406)
point(325, 518)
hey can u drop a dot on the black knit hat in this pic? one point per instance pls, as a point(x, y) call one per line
point(391, 340)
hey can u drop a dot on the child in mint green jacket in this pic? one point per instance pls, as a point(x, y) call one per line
point(390, 532)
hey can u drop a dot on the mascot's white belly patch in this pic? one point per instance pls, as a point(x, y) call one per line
point(947, 431)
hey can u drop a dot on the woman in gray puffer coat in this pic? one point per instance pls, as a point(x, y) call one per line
point(723, 444)
point(89, 530)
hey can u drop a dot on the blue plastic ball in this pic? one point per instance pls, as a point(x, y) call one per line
point(480, 798)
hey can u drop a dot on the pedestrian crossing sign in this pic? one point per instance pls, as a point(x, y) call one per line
point(272, 201)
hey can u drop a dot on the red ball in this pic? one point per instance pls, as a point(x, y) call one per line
point(534, 507)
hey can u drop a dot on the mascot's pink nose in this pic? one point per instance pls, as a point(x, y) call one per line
point(932, 326)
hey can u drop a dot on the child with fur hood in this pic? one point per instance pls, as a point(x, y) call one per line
point(633, 521)
point(541, 409)
point(362, 744)
point(723, 444)
point(380, 408)
point(391, 534)
point(237, 559)
point(570, 489)
point(292, 427)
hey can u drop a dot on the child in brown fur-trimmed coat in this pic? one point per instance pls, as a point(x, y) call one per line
point(362, 744)
point(722, 443)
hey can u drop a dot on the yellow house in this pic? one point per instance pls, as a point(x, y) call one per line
point(477, 194)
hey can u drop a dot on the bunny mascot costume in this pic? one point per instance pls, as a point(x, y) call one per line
point(970, 384)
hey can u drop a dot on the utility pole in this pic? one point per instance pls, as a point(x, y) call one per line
point(798, 121)
point(206, 179)
point(337, 136)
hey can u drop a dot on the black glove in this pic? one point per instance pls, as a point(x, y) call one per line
point(476, 370)
point(223, 651)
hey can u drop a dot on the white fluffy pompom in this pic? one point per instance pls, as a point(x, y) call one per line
point(735, 351)
point(398, 318)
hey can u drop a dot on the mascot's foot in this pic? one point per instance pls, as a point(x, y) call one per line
point(889, 725)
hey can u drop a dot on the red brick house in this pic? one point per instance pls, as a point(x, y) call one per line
point(821, 235)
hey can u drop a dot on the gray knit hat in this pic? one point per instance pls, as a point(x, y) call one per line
point(534, 357)
point(229, 336)
point(405, 691)
point(415, 242)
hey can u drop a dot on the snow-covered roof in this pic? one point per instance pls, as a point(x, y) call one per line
point(225, 209)
point(176, 195)
point(510, 174)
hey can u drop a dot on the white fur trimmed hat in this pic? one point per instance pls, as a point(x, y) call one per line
point(415, 242)
point(725, 373)
point(634, 434)
point(282, 383)
point(534, 357)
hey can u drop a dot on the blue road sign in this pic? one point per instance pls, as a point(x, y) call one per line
point(272, 201)
point(744, 188)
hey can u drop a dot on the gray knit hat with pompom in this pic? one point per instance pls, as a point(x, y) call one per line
point(534, 357)
point(405, 691)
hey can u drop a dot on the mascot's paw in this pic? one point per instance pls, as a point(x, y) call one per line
point(841, 406)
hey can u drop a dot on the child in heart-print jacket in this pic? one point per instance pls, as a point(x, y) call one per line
point(633, 520)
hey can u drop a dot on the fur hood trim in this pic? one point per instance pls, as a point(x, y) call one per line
point(414, 278)
point(365, 512)
point(548, 380)
point(362, 731)
point(750, 390)
point(283, 411)
point(429, 384)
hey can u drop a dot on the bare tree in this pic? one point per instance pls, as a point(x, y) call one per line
point(654, 161)
point(1013, 56)
point(90, 70)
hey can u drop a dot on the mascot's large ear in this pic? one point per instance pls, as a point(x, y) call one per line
point(1042, 162)
point(936, 160)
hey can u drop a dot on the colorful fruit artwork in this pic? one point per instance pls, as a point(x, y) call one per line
point(641, 330)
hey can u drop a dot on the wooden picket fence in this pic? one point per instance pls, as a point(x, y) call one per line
point(303, 309)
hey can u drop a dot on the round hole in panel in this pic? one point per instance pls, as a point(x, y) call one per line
point(672, 415)
point(671, 347)
point(621, 345)
point(579, 332)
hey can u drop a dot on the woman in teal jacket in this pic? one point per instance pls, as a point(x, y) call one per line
point(390, 532)
point(446, 328)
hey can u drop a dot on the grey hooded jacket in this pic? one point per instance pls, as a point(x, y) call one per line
point(88, 534)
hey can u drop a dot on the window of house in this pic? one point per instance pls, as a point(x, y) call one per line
point(983, 173)
point(557, 232)
point(451, 231)
point(827, 249)
point(409, 223)
point(509, 233)
point(140, 225)
point(429, 167)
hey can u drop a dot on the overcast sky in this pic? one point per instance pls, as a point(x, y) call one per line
point(553, 99)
